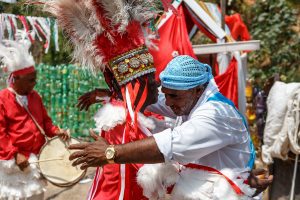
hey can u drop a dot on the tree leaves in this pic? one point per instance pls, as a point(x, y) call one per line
point(272, 23)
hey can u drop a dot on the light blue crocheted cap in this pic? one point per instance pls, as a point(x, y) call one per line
point(184, 72)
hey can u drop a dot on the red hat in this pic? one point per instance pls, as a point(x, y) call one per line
point(16, 58)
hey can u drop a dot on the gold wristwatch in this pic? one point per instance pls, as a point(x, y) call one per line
point(110, 154)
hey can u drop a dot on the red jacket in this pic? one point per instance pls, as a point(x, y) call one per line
point(108, 183)
point(18, 132)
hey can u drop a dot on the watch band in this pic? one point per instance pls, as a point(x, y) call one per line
point(111, 161)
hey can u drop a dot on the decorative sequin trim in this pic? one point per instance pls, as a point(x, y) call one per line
point(132, 64)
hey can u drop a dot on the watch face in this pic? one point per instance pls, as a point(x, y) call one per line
point(110, 154)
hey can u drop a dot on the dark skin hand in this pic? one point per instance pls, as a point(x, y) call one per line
point(93, 154)
point(260, 180)
point(90, 154)
point(21, 161)
point(63, 134)
point(89, 98)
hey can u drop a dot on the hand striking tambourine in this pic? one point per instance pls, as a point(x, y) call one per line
point(55, 165)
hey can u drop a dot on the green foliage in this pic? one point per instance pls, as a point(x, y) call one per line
point(60, 86)
point(273, 22)
point(21, 9)
point(63, 56)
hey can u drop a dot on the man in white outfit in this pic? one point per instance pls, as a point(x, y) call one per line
point(210, 145)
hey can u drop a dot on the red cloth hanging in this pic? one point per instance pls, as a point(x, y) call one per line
point(238, 29)
point(173, 38)
point(228, 82)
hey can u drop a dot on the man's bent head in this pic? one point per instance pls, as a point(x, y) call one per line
point(183, 82)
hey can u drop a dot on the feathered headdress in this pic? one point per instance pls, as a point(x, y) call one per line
point(111, 36)
point(15, 57)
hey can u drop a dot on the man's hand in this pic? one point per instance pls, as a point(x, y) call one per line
point(21, 161)
point(90, 154)
point(90, 98)
point(260, 180)
point(63, 134)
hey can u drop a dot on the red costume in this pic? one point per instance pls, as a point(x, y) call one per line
point(115, 181)
point(108, 181)
point(18, 132)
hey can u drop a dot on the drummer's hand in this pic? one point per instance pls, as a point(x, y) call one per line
point(63, 134)
point(21, 161)
point(260, 180)
point(90, 98)
point(90, 154)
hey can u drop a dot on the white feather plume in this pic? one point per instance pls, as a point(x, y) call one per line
point(15, 56)
point(79, 20)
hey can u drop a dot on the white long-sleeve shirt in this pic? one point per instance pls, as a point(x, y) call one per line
point(213, 134)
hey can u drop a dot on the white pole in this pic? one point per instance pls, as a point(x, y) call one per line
point(292, 195)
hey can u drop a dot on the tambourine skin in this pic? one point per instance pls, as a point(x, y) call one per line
point(59, 170)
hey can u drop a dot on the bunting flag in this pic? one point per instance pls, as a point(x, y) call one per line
point(34, 28)
point(9, 1)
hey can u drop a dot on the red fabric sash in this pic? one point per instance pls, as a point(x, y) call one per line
point(128, 137)
point(228, 82)
point(212, 170)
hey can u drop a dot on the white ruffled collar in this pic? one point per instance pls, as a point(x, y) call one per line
point(110, 115)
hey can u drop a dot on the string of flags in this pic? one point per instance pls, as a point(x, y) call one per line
point(33, 28)
point(9, 1)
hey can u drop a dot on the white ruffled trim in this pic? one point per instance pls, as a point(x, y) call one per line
point(195, 184)
point(192, 184)
point(156, 178)
point(16, 184)
point(109, 116)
